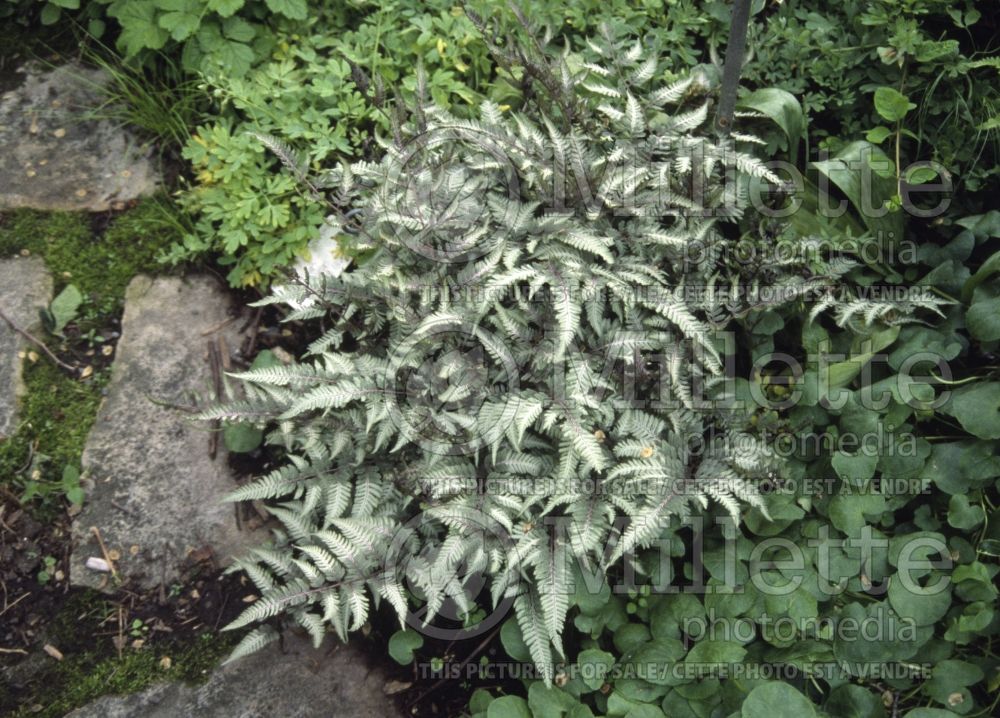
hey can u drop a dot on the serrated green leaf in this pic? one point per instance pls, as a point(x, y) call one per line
point(293, 9)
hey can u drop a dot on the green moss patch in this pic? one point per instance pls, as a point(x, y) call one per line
point(95, 669)
point(101, 263)
point(59, 408)
point(56, 415)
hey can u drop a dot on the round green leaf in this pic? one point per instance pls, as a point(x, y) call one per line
point(854, 468)
point(630, 636)
point(513, 641)
point(777, 700)
point(983, 320)
point(549, 701)
point(716, 653)
point(402, 644)
point(241, 437)
point(480, 701)
point(508, 707)
point(951, 677)
point(977, 408)
point(963, 515)
point(595, 665)
point(851, 701)
point(924, 609)
point(265, 358)
point(644, 711)
point(662, 653)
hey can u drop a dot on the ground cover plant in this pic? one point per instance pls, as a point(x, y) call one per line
point(867, 484)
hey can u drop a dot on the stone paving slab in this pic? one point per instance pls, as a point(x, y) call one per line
point(153, 492)
point(25, 289)
point(52, 158)
point(297, 681)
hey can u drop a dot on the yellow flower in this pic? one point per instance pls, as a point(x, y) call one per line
point(646, 452)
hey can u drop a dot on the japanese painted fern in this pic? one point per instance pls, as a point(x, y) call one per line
point(512, 377)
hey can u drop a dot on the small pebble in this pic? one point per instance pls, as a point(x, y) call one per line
point(97, 564)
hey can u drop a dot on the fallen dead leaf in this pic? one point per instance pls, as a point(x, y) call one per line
point(61, 132)
point(53, 651)
point(165, 663)
point(200, 554)
point(393, 687)
point(283, 355)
